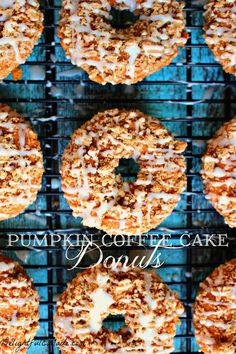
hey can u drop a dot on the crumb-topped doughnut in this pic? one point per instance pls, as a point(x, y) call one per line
point(21, 163)
point(215, 311)
point(20, 28)
point(19, 308)
point(99, 195)
point(150, 309)
point(220, 32)
point(218, 171)
point(124, 55)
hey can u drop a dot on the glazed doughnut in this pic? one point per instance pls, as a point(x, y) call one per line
point(150, 308)
point(20, 28)
point(102, 198)
point(220, 32)
point(19, 308)
point(121, 55)
point(21, 163)
point(215, 311)
point(218, 171)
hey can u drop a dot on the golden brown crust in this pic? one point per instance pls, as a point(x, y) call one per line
point(97, 194)
point(19, 308)
point(150, 308)
point(219, 171)
point(20, 28)
point(121, 55)
point(21, 163)
point(220, 32)
point(215, 311)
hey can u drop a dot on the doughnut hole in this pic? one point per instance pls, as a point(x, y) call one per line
point(122, 18)
point(128, 169)
point(115, 323)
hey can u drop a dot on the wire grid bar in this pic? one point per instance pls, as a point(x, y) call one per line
point(181, 94)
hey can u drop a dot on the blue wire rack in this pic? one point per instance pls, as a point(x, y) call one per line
point(192, 97)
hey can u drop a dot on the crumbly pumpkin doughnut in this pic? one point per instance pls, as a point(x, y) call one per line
point(220, 32)
point(121, 55)
point(150, 308)
point(19, 308)
point(20, 28)
point(97, 194)
point(215, 311)
point(218, 171)
point(21, 163)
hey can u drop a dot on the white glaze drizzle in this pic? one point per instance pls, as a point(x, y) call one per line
point(9, 288)
point(14, 322)
point(6, 4)
point(153, 44)
point(133, 51)
point(158, 159)
point(150, 323)
point(5, 267)
point(18, 157)
point(101, 301)
point(224, 33)
point(223, 176)
point(224, 304)
point(12, 40)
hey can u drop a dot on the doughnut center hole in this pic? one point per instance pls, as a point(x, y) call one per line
point(122, 18)
point(114, 322)
point(128, 169)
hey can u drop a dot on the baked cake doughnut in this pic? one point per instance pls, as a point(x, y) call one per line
point(20, 28)
point(151, 311)
point(220, 32)
point(124, 55)
point(215, 311)
point(219, 171)
point(102, 198)
point(21, 163)
point(19, 308)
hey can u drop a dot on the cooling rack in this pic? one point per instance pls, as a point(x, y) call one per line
point(192, 97)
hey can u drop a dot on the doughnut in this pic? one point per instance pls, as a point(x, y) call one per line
point(215, 311)
point(21, 164)
point(220, 32)
point(150, 309)
point(20, 28)
point(100, 196)
point(124, 55)
point(218, 171)
point(19, 308)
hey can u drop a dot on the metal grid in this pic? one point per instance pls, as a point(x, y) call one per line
point(192, 97)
